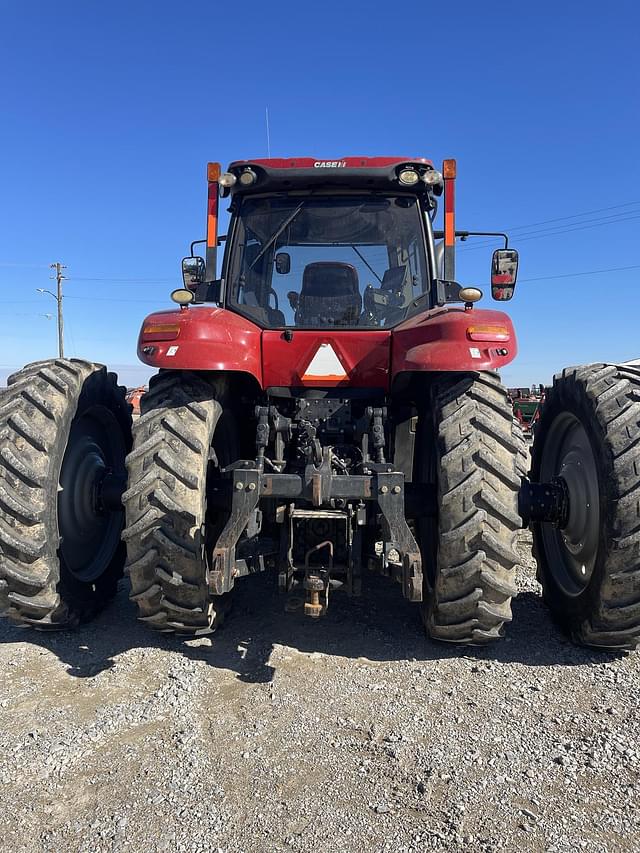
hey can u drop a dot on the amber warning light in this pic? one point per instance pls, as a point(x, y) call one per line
point(488, 333)
point(449, 169)
point(161, 331)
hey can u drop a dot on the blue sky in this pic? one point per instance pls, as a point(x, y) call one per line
point(110, 112)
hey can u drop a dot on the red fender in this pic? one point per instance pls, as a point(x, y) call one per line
point(453, 339)
point(213, 339)
point(201, 338)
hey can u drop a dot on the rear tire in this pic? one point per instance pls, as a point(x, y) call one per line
point(169, 533)
point(470, 445)
point(589, 434)
point(64, 424)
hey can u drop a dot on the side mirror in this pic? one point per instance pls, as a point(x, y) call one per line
point(283, 263)
point(504, 271)
point(193, 272)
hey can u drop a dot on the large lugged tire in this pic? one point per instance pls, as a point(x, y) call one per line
point(475, 452)
point(169, 533)
point(64, 426)
point(589, 436)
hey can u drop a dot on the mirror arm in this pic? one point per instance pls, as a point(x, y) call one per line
point(439, 235)
point(195, 243)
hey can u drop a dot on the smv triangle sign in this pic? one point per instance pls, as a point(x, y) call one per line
point(325, 366)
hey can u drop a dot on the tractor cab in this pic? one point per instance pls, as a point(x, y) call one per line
point(345, 261)
point(339, 244)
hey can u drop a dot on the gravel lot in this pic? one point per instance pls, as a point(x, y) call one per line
point(283, 734)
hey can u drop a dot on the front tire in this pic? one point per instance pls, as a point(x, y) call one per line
point(589, 435)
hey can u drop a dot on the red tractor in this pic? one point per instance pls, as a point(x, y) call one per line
point(527, 404)
point(330, 403)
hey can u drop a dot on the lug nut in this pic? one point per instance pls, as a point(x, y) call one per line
point(239, 487)
point(396, 490)
point(252, 487)
point(384, 490)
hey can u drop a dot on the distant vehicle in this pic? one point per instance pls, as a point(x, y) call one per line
point(527, 405)
point(133, 397)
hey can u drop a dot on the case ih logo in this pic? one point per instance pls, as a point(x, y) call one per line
point(330, 164)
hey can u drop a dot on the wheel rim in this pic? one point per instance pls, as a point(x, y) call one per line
point(572, 550)
point(89, 535)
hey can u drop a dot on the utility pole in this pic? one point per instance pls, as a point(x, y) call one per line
point(59, 279)
point(58, 267)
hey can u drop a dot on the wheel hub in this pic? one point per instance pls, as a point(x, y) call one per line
point(89, 531)
point(573, 548)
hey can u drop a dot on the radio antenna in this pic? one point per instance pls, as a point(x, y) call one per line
point(266, 118)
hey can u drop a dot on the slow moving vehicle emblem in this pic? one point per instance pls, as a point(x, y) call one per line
point(325, 365)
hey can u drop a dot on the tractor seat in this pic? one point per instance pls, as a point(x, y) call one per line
point(330, 295)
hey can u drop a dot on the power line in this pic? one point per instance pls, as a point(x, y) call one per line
point(147, 301)
point(126, 280)
point(536, 278)
point(111, 299)
point(613, 217)
point(25, 266)
point(573, 216)
point(576, 226)
point(518, 229)
point(533, 236)
point(514, 228)
point(586, 272)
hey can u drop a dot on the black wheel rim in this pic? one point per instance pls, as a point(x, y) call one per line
point(572, 551)
point(89, 534)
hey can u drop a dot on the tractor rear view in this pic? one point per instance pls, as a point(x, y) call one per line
point(329, 404)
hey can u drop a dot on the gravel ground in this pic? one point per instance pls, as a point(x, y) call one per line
point(354, 733)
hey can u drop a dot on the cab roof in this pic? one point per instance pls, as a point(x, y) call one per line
point(288, 173)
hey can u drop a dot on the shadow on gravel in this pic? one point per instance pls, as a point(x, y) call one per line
point(380, 627)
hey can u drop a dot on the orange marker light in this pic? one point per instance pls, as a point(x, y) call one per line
point(448, 169)
point(161, 331)
point(488, 333)
point(213, 171)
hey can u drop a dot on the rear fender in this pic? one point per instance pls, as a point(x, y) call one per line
point(444, 339)
point(201, 338)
